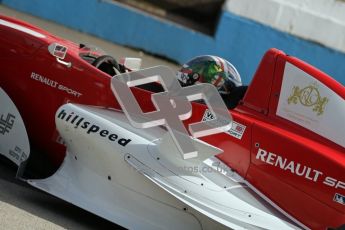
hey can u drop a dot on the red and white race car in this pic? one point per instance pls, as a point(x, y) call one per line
point(281, 165)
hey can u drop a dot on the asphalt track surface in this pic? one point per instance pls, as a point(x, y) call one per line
point(24, 207)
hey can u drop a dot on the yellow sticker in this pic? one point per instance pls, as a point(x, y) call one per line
point(309, 96)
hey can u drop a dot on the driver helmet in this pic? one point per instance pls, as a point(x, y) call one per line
point(210, 69)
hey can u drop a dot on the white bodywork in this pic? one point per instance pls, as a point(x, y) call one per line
point(145, 183)
point(14, 141)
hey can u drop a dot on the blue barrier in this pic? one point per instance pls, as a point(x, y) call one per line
point(251, 40)
point(237, 39)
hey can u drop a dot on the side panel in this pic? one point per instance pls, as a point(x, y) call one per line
point(292, 172)
point(14, 141)
point(298, 148)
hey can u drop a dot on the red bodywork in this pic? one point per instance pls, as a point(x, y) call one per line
point(308, 201)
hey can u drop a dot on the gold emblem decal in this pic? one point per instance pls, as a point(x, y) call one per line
point(309, 96)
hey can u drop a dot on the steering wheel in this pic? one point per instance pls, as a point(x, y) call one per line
point(107, 64)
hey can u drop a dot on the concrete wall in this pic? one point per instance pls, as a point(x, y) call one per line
point(241, 40)
point(322, 21)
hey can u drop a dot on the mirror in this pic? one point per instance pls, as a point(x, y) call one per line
point(59, 51)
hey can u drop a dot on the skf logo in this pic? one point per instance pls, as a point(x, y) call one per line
point(172, 106)
point(309, 96)
point(7, 123)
